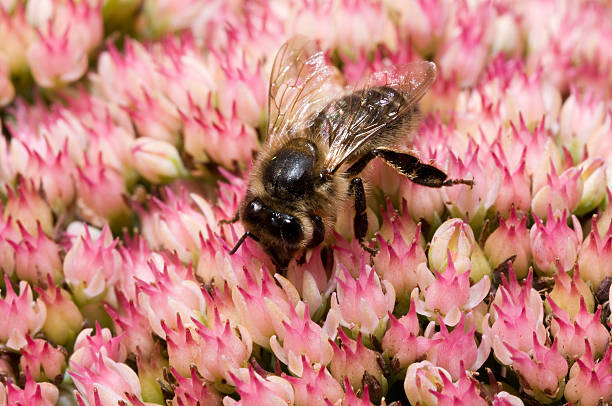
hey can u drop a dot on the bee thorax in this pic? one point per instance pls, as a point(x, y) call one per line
point(290, 173)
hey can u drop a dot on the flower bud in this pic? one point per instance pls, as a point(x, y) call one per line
point(589, 382)
point(510, 238)
point(560, 193)
point(315, 385)
point(37, 258)
point(555, 245)
point(254, 389)
point(595, 256)
point(422, 380)
point(33, 393)
point(27, 207)
point(64, 320)
point(593, 176)
point(569, 291)
point(193, 391)
point(44, 361)
point(454, 236)
point(157, 161)
point(7, 90)
point(21, 315)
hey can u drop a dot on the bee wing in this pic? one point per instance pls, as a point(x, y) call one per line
point(411, 80)
point(301, 84)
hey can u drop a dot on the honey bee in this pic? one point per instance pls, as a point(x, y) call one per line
point(320, 137)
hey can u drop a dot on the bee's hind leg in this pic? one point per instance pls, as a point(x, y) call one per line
point(417, 171)
point(360, 222)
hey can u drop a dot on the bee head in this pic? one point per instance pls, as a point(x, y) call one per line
point(280, 234)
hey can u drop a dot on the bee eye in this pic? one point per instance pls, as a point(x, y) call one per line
point(255, 206)
point(291, 231)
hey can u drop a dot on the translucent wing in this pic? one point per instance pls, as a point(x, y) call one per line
point(302, 83)
point(360, 119)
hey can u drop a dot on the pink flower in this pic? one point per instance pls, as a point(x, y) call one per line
point(555, 242)
point(177, 222)
point(589, 382)
point(27, 207)
point(595, 256)
point(517, 313)
point(570, 334)
point(568, 292)
point(514, 192)
point(169, 296)
point(55, 59)
point(423, 380)
point(33, 393)
point(422, 21)
point(464, 391)
point(97, 207)
point(402, 340)
point(453, 241)
point(194, 391)
point(255, 389)
point(457, 351)
point(37, 257)
point(42, 360)
point(314, 386)
point(543, 373)
point(21, 315)
point(131, 325)
point(593, 176)
point(17, 34)
point(510, 238)
point(560, 193)
point(104, 382)
point(157, 161)
point(92, 266)
point(87, 346)
point(300, 336)
point(64, 320)
point(354, 362)
point(7, 90)
point(364, 304)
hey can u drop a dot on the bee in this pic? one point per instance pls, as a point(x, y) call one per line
point(320, 136)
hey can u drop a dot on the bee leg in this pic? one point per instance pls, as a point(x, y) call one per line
point(417, 171)
point(232, 220)
point(360, 222)
point(361, 163)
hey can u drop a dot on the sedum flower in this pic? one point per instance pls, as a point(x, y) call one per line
point(555, 244)
point(256, 389)
point(32, 394)
point(21, 315)
point(101, 191)
point(91, 266)
point(157, 161)
point(396, 254)
point(315, 385)
point(423, 380)
point(422, 21)
point(28, 207)
point(560, 193)
point(403, 342)
point(355, 362)
point(543, 373)
point(517, 313)
point(589, 382)
point(193, 391)
point(505, 399)
point(7, 90)
point(569, 334)
point(104, 382)
point(511, 238)
point(594, 178)
point(17, 35)
point(37, 257)
point(42, 360)
point(87, 346)
point(456, 237)
point(456, 393)
point(569, 291)
point(457, 351)
point(64, 320)
point(131, 325)
point(432, 296)
point(298, 336)
point(595, 256)
point(363, 304)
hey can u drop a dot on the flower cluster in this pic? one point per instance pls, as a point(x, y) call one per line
point(127, 134)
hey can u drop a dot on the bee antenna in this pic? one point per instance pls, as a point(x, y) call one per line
point(239, 243)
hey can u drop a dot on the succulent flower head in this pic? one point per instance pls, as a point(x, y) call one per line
point(22, 315)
